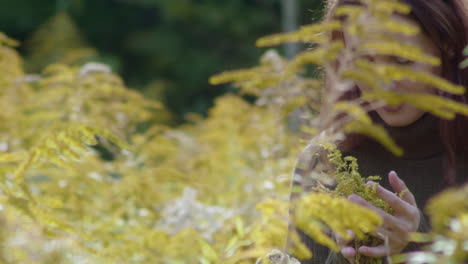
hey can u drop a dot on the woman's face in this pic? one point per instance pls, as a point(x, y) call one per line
point(405, 114)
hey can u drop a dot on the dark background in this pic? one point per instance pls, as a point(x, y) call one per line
point(167, 49)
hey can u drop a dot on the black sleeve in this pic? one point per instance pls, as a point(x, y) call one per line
point(320, 253)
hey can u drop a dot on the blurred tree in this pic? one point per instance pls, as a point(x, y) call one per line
point(290, 23)
point(168, 49)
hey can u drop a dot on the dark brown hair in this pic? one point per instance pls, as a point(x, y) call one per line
point(446, 24)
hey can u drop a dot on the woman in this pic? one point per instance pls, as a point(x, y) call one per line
point(436, 150)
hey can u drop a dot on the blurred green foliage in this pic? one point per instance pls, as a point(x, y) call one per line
point(165, 48)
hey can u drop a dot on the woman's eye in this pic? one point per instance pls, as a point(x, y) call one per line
point(402, 61)
point(369, 58)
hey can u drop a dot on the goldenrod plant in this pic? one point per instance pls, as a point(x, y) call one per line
point(81, 181)
point(10, 62)
point(50, 122)
point(89, 175)
point(58, 40)
point(447, 243)
point(352, 66)
point(348, 182)
point(345, 65)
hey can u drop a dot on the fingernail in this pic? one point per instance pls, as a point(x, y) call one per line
point(395, 175)
point(348, 252)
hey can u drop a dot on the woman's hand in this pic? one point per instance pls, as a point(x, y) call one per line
point(396, 228)
point(347, 250)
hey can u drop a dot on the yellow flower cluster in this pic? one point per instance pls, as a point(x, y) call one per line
point(317, 210)
point(92, 173)
point(78, 173)
point(447, 241)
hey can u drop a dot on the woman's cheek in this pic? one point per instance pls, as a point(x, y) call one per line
point(419, 88)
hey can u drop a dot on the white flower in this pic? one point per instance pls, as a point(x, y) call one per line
point(93, 67)
point(188, 212)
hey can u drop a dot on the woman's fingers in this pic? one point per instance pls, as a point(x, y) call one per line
point(375, 252)
point(343, 242)
point(395, 227)
point(399, 186)
point(400, 206)
point(348, 253)
point(382, 233)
